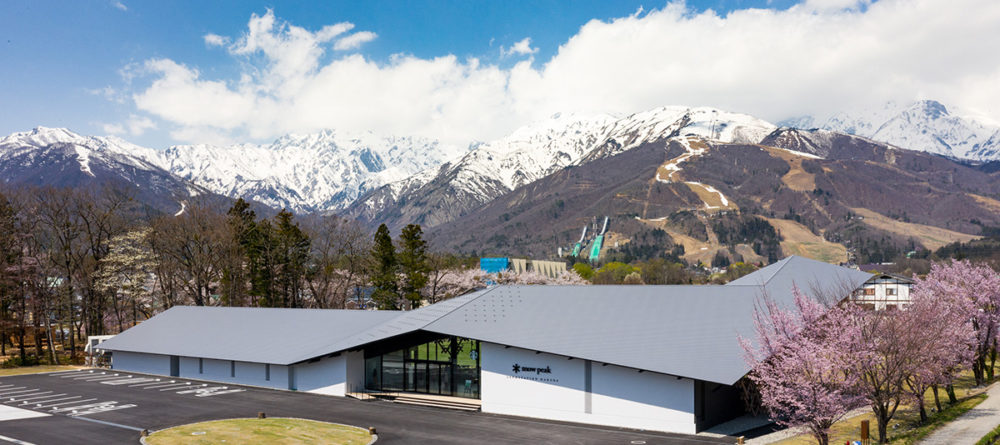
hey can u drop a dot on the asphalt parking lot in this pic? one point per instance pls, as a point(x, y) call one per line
point(107, 407)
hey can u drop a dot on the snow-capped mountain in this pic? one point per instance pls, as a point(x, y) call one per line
point(540, 149)
point(321, 171)
point(924, 125)
point(61, 158)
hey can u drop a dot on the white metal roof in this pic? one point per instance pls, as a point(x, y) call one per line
point(687, 331)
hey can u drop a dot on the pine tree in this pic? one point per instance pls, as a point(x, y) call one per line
point(293, 254)
point(413, 262)
point(384, 279)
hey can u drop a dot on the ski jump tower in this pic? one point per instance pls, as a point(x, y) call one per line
point(595, 250)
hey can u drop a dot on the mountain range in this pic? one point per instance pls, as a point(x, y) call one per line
point(679, 170)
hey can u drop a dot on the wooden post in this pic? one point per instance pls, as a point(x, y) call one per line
point(865, 440)
point(739, 440)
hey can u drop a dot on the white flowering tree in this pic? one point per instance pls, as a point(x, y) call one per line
point(124, 276)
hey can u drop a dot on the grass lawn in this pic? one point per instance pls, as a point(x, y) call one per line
point(276, 430)
point(908, 432)
point(36, 369)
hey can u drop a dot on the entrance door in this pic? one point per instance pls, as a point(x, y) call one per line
point(175, 366)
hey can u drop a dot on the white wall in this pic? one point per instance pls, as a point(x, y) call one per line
point(327, 376)
point(619, 396)
point(141, 362)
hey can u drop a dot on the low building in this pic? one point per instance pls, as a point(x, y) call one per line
point(664, 358)
point(551, 269)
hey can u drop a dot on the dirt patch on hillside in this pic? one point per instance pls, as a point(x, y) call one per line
point(991, 203)
point(696, 250)
point(798, 240)
point(931, 237)
point(797, 178)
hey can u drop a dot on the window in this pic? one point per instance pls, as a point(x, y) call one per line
point(232, 368)
point(201, 365)
point(267, 372)
point(890, 291)
point(869, 291)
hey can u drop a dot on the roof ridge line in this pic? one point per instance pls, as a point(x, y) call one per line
point(776, 272)
point(488, 290)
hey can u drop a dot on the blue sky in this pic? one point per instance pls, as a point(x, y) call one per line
point(82, 64)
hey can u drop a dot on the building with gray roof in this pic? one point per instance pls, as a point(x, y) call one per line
point(664, 358)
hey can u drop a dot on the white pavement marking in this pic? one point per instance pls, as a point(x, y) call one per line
point(128, 381)
point(79, 407)
point(176, 386)
point(94, 379)
point(66, 403)
point(13, 440)
point(108, 423)
point(12, 413)
point(39, 404)
point(4, 394)
point(217, 393)
point(83, 373)
point(110, 406)
point(41, 397)
point(140, 385)
point(18, 397)
point(161, 385)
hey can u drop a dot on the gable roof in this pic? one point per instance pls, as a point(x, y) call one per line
point(686, 331)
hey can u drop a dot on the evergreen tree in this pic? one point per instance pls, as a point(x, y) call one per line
point(242, 225)
point(384, 279)
point(413, 262)
point(293, 254)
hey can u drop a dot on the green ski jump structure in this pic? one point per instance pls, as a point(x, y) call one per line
point(595, 247)
point(595, 250)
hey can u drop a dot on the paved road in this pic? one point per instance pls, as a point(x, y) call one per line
point(92, 408)
point(971, 426)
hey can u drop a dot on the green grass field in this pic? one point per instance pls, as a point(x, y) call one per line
point(272, 431)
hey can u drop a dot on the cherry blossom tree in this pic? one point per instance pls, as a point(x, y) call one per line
point(980, 284)
point(940, 320)
point(799, 363)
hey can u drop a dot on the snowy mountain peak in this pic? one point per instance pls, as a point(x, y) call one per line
point(925, 125)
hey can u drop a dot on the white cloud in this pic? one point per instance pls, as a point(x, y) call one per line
point(134, 125)
point(215, 40)
point(354, 41)
point(119, 5)
point(522, 48)
point(814, 58)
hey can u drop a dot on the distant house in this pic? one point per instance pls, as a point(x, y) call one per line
point(884, 291)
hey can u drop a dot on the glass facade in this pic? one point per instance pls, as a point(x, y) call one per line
point(446, 366)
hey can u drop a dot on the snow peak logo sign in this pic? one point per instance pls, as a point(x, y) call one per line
point(532, 373)
point(519, 369)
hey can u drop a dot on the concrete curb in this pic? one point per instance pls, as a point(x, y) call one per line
point(142, 439)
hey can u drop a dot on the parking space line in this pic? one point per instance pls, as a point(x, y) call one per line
point(176, 387)
point(127, 381)
point(161, 385)
point(17, 398)
point(94, 379)
point(25, 401)
point(81, 374)
point(139, 385)
point(13, 440)
point(5, 386)
point(4, 394)
point(39, 405)
point(66, 403)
